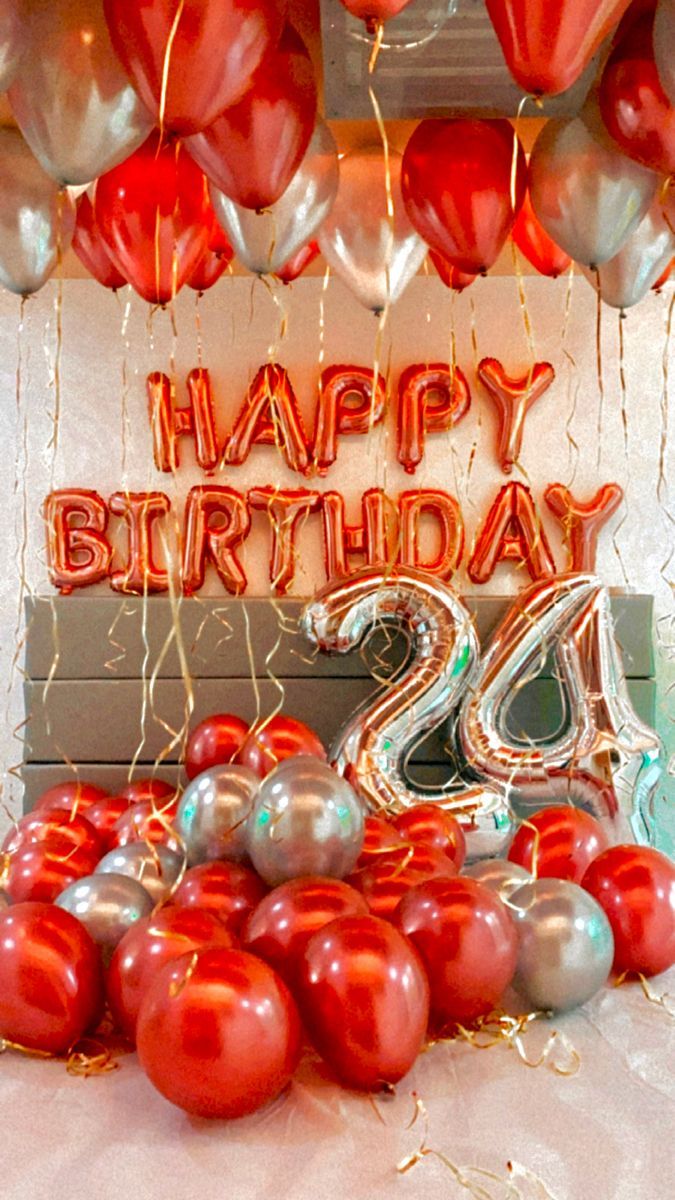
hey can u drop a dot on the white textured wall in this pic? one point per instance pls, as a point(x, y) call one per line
point(108, 345)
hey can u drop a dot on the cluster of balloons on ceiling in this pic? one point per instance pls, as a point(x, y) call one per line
point(189, 128)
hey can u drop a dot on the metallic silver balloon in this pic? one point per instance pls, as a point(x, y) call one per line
point(373, 748)
point(213, 813)
point(12, 39)
point(499, 875)
point(566, 946)
point(72, 99)
point(157, 869)
point(588, 196)
point(627, 277)
point(664, 46)
point(307, 820)
point(36, 220)
point(375, 254)
point(265, 241)
point(107, 905)
point(602, 739)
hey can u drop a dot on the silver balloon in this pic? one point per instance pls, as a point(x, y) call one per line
point(566, 946)
point(306, 821)
point(265, 241)
point(602, 739)
point(12, 39)
point(107, 905)
point(71, 97)
point(588, 196)
point(36, 220)
point(213, 813)
point(664, 46)
point(375, 255)
point(375, 745)
point(627, 277)
point(157, 869)
point(499, 875)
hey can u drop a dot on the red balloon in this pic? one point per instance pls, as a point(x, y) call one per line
point(379, 838)
point(228, 890)
point(216, 740)
point(432, 826)
point(208, 271)
point(568, 841)
point(364, 998)
point(51, 987)
point(547, 46)
point(633, 104)
point(144, 950)
point(77, 796)
point(154, 214)
point(218, 1033)
point(456, 280)
point(467, 942)
point(90, 248)
point(141, 791)
point(457, 183)
point(374, 12)
point(41, 870)
point(104, 816)
point(279, 738)
point(296, 265)
point(533, 241)
point(147, 822)
point(253, 150)
point(58, 826)
point(387, 880)
point(210, 49)
point(636, 887)
point(279, 929)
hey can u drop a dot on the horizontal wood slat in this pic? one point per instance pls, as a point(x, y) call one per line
point(107, 637)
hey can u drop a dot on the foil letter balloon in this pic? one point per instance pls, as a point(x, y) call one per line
point(588, 196)
point(626, 278)
point(373, 748)
point(548, 43)
point(36, 220)
point(71, 98)
point(374, 251)
point(264, 242)
point(569, 615)
point(12, 40)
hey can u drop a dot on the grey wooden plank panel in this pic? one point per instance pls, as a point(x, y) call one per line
point(104, 637)
point(100, 721)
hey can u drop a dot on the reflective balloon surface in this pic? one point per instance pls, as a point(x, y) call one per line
point(307, 820)
point(71, 98)
point(374, 253)
point(216, 740)
point(265, 241)
point(157, 868)
point(107, 905)
point(432, 826)
point(228, 890)
point(36, 220)
point(635, 886)
point(587, 195)
point(565, 946)
point(12, 40)
point(277, 739)
point(646, 253)
point(499, 875)
point(558, 843)
point(213, 813)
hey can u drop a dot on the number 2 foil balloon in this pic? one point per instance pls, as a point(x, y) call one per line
point(374, 746)
point(36, 220)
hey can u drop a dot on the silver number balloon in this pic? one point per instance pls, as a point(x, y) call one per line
point(107, 905)
point(664, 46)
point(213, 813)
point(12, 39)
point(373, 748)
point(565, 944)
point(36, 220)
point(307, 820)
point(155, 867)
point(588, 196)
point(374, 252)
point(626, 278)
point(265, 241)
point(570, 615)
point(71, 97)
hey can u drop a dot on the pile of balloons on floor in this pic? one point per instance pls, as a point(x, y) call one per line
point(189, 130)
point(263, 908)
